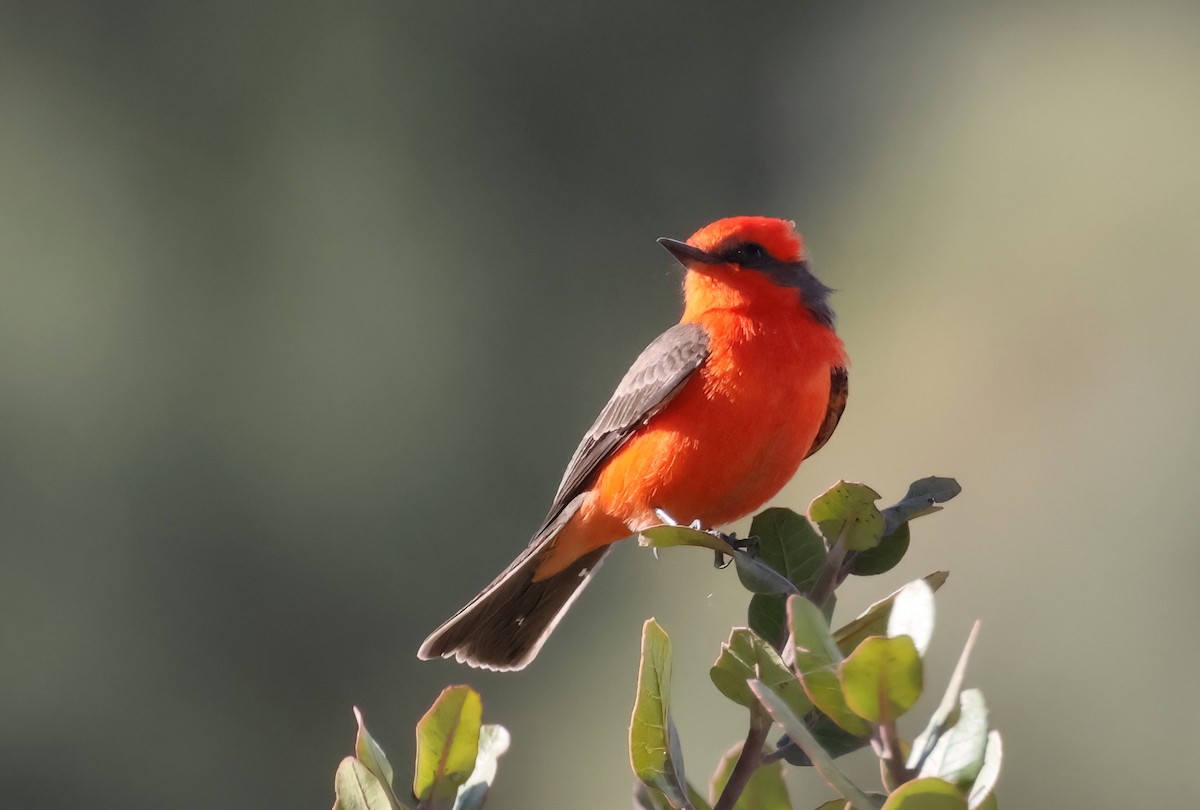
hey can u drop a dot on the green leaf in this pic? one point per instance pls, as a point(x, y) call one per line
point(882, 678)
point(765, 790)
point(926, 794)
point(653, 741)
point(735, 665)
point(958, 755)
point(835, 804)
point(833, 739)
point(755, 575)
point(885, 556)
point(817, 656)
point(984, 788)
point(760, 578)
point(372, 757)
point(745, 656)
point(369, 753)
point(810, 633)
point(913, 614)
point(667, 536)
point(447, 744)
point(767, 616)
point(989, 803)
point(848, 512)
point(357, 788)
point(921, 499)
point(782, 714)
point(788, 544)
point(647, 798)
point(925, 741)
point(493, 742)
point(873, 621)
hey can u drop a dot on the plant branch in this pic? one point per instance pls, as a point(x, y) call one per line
point(748, 760)
point(829, 578)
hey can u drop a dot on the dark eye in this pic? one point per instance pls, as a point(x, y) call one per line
point(751, 252)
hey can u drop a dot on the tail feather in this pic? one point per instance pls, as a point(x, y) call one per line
point(506, 624)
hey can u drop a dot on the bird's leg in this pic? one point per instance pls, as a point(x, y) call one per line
point(749, 544)
point(719, 560)
point(667, 520)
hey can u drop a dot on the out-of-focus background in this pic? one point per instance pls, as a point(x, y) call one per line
point(303, 307)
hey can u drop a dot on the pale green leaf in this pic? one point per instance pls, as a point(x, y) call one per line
point(958, 755)
point(925, 741)
point(356, 788)
point(369, 753)
point(913, 614)
point(493, 742)
point(873, 621)
point(984, 787)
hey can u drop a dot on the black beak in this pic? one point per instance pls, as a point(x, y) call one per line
point(684, 253)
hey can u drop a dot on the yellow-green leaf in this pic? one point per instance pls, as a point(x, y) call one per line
point(926, 794)
point(882, 678)
point(847, 512)
point(653, 742)
point(756, 575)
point(817, 658)
point(447, 744)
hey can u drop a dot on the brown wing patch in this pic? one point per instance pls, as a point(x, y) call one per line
point(654, 378)
point(839, 390)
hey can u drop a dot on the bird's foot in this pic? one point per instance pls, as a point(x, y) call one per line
point(750, 544)
point(667, 520)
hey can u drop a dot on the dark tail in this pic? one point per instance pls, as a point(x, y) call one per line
point(507, 623)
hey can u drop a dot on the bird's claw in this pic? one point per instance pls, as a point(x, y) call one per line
point(750, 545)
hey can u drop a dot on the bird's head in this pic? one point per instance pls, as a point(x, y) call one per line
point(750, 259)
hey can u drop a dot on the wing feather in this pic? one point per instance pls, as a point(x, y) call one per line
point(839, 390)
point(654, 378)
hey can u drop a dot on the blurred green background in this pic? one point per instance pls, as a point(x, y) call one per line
point(303, 307)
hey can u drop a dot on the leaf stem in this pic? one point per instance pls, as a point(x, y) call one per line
point(748, 760)
point(892, 753)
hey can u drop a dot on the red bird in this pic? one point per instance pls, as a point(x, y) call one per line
point(709, 423)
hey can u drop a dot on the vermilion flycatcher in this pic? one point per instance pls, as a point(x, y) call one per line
point(712, 419)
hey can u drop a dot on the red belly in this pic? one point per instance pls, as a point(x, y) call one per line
point(727, 443)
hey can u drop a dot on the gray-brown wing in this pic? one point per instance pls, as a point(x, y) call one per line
point(839, 390)
point(656, 376)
